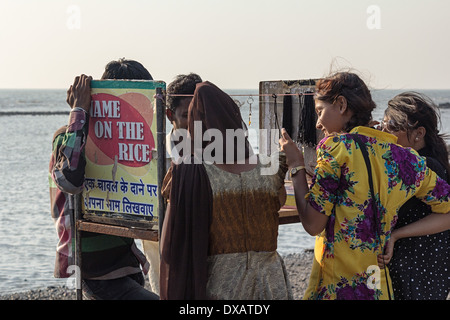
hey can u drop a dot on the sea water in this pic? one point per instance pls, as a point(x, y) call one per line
point(27, 234)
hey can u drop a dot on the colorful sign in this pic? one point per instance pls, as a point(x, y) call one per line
point(121, 168)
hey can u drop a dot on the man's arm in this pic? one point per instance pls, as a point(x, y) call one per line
point(68, 159)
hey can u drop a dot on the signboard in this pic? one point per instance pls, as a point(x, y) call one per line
point(121, 169)
point(272, 110)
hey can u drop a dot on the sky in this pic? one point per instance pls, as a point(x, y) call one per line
point(233, 43)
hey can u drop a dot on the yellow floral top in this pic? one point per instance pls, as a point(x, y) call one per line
point(345, 264)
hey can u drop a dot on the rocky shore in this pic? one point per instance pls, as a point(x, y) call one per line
point(298, 266)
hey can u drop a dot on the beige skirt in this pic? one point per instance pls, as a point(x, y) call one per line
point(248, 276)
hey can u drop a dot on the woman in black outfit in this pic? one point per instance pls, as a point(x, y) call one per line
point(420, 266)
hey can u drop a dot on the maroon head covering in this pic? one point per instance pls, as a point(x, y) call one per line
point(213, 115)
point(185, 232)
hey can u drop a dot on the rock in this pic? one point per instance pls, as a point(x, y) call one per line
point(298, 266)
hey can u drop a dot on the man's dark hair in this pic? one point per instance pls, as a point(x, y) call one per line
point(124, 69)
point(183, 84)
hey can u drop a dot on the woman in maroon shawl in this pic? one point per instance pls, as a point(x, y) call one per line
point(219, 236)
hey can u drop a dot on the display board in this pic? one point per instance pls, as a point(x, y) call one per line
point(121, 182)
point(289, 104)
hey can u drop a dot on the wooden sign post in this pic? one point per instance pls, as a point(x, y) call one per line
point(125, 163)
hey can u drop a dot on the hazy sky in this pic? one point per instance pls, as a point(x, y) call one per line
point(233, 43)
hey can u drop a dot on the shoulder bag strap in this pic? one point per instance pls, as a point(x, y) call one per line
point(363, 148)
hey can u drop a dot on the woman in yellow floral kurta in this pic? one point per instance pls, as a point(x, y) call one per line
point(338, 206)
